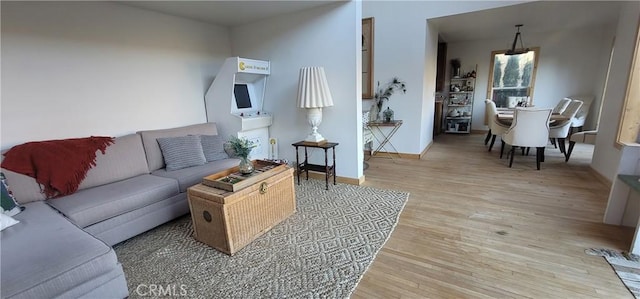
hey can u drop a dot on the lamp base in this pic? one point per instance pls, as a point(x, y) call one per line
point(314, 115)
point(314, 143)
point(315, 139)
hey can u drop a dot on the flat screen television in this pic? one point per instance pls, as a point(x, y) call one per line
point(241, 93)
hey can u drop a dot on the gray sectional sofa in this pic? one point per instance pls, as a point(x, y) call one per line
point(62, 247)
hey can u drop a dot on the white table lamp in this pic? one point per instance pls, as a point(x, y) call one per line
point(313, 95)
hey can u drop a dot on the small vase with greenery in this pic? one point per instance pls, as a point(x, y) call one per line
point(386, 91)
point(242, 148)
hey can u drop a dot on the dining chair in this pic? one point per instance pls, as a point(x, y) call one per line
point(496, 127)
point(530, 128)
point(588, 137)
point(558, 109)
point(487, 113)
point(559, 131)
point(561, 106)
point(579, 120)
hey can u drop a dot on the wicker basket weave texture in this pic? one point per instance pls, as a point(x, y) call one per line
point(228, 221)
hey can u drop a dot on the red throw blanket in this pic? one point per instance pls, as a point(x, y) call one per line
point(59, 166)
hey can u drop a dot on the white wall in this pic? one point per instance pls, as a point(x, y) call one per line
point(74, 69)
point(327, 36)
point(404, 46)
point(606, 157)
point(570, 63)
point(429, 82)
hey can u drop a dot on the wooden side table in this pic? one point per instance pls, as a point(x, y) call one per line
point(305, 166)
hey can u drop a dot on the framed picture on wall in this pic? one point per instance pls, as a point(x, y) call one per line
point(367, 58)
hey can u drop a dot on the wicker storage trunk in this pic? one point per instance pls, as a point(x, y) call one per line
point(228, 221)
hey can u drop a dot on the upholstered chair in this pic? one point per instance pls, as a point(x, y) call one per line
point(561, 106)
point(558, 109)
point(495, 126)
point(559, 131)
point(588, 137)
point(530, 128)
point(580, 118)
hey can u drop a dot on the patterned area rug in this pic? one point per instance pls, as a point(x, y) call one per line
point(321, 251)
point(625, 264)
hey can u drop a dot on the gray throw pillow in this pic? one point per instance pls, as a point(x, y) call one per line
point(213, 147)
point(182, 152)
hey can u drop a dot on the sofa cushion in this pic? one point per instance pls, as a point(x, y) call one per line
point(24, 188)
point(188, 177)
point(123, 159)
point(213, 147)
point(182, 152)
point(46, 255)
point(152, 149)
point(93, 205)
point(6, 221)
point(123, 227)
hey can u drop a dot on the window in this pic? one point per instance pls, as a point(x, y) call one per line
point(511, 76)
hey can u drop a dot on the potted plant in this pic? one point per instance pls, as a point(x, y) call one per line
point(242, 148)
point(384, 93)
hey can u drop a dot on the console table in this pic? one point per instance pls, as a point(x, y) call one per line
point(305, 166)
point(386, 137)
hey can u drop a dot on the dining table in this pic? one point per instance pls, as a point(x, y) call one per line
point(506, 116)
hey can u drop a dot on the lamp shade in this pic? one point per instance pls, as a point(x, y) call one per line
point(313, 90)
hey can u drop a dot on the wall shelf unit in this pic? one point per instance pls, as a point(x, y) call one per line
point(459, 104)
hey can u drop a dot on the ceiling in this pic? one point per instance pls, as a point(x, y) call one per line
point(226, 13)
point(537, 17)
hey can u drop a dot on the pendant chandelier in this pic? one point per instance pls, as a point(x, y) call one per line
point(514, 50)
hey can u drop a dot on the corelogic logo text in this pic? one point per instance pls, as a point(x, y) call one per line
point(157, 290)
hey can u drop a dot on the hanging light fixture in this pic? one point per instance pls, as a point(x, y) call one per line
point(513, 50)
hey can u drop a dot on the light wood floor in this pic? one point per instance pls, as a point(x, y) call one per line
point(473, 228)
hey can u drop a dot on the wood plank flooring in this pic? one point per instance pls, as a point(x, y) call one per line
point(474, 228)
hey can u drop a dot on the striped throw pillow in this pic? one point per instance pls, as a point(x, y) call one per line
point(182, 152)
point(213, 147)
